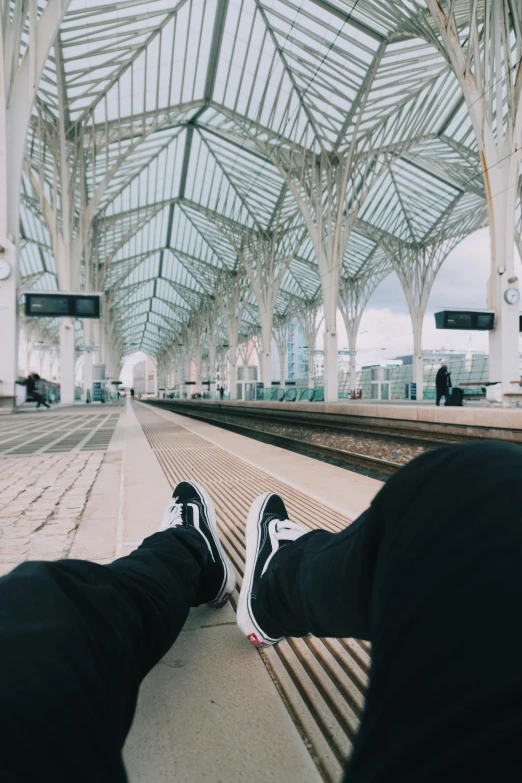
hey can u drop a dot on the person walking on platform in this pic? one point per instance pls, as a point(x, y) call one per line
point(132, 394)
point(436, 589)
point(443, 385)
point(32, 392)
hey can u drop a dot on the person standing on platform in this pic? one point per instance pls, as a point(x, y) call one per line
point(443, 384)
point(132, 394)
point(221, 392)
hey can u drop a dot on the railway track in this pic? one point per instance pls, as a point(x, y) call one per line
point(374, 467)
point(429, 434)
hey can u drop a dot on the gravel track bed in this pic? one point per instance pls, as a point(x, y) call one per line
point(372, 447)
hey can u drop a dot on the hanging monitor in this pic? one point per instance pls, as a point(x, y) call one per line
point(473, 320)
point(43, 304)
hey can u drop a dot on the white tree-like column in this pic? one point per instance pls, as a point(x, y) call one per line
point(20, 31)
point(280, 332)
point(484, 51)
point(233, 292)
point(354, 295)
point(310, 323)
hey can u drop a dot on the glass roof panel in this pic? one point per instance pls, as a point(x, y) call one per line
point(192, 128)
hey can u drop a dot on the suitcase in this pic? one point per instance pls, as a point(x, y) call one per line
point(456, 397)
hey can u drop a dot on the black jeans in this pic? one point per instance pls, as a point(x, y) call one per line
point(430, 574)
point(443, 393)
point(76, 640)
point(38, 398)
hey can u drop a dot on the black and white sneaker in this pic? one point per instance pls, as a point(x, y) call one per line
point(268, 529)
point(192, 506)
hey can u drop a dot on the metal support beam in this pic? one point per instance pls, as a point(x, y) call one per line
point(16, 102)
point(186, 161)
point(215, 48)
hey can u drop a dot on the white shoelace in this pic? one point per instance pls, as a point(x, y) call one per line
point(281, 530)
point(286, 530)
point(172, 516)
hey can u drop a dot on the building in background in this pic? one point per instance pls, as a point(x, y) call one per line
point(296, 360)
point(145, 377)
point(443, 355)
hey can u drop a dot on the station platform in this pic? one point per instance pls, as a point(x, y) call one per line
point(472, 420)
point(215, 709)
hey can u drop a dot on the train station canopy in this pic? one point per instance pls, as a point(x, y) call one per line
point(169, 137)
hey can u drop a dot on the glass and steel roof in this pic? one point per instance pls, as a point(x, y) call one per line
point(165, 133)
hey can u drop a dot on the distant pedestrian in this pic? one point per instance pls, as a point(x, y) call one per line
point(443, 384)
point(132, 394)
point(31, 387)
point(221, 392)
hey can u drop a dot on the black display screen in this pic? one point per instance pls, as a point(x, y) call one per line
point(459, 321)
point(474, 320)
point(485, 321)
point(87, 306)
point(46, 305)
point(43, 305)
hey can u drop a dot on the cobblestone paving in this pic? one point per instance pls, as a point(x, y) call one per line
point(42, 498)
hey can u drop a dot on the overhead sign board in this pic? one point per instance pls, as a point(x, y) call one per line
point(471, 320)
point(42, 304)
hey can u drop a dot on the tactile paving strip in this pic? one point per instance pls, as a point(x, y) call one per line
point(51, 433)
point(322, 681)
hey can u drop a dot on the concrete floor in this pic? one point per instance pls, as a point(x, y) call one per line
point(209, 711)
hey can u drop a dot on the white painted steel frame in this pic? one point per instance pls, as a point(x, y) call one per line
point(255, 159)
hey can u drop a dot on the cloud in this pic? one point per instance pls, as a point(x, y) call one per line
point(386, 330)
point(463, 278)
point(385, 334)
point(461, 282)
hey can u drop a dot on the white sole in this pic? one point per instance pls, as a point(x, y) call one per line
point(245, 618)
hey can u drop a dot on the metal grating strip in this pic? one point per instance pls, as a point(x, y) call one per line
point(322, 681)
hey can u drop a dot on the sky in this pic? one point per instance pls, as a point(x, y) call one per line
point(386, 326)
point(461, 282)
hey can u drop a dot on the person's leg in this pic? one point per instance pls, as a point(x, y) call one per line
point(77, 639)
point(40, 400)
point(431, 575)
point(437, 400)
